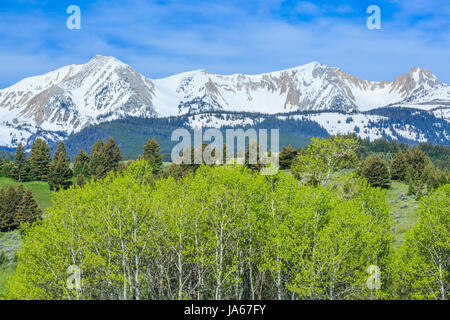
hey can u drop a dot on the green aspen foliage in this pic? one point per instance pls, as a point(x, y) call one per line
point(221, 233)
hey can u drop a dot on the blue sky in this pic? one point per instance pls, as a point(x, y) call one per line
point(161, 38)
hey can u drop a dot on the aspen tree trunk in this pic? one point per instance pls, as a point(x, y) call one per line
point(441, 281)
point(136, 261)
point(219, 269)
point(279, 290)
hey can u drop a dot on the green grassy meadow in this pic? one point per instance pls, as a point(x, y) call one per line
point(41, 190)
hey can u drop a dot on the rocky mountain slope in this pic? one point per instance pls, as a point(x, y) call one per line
point(65, 101)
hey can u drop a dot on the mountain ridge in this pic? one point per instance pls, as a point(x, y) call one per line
point(68, 99)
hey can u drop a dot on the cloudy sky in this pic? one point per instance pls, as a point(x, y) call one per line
point(161, 38)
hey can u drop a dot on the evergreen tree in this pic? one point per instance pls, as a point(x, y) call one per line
point(27, 210)
point(176, 171)
point(113, 156)
point(399, 167)
point(433, 180)
point(417, 161)
point(427, 172)
point(411, 189)
point(1, 166)
point(59, 171)
point(20, 191)
point(443, 178)
point(80, 180)
point(105, 157)
point(97, 160)
point(287, 157)
point(191, 166)
point(419, 193)
point(152, 153)
point(11, 200)
point(81, 164)
point(3, 205)
point(376, 172)
point(21, 167)
point(254, 149)
point(224, 154)
point(40, 160)
point(7, 167)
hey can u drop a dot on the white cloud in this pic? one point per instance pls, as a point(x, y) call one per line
point(163, 39)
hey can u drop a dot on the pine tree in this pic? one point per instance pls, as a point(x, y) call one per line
point(3, 205)
point(21, 167)
point(176, 171)
point(27, 211)
point(113, 156)
point(152, 153)
point(433, 180)
point(40, 160)
point(376, 172)
point(105, 157)
point(411, 189)
point(20, 191)
point(224, 154)
point(253, 148)
point(7, 167)
point(1, 166)
point(417, 161)
point(59, 171)
point(427, 172)
point(191, 166)
point(443, 178)
point(287, 157)
point(81, 164)
point(419, 193)
point(11, 200)
point(97, 160)
point(399, 167)
point(80, 180)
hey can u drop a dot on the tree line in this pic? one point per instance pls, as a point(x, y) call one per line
point(58, 170)
point(40, 166)
point(369, 157)
point(18, 208)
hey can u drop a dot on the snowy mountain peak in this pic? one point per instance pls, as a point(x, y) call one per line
point(416, 80)
point(313, 86)
point(100, 61)
point(72, 97)
point(69, 98)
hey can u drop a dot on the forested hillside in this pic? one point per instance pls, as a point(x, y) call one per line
point(132, 133)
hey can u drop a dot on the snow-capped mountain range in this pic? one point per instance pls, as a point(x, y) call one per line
point(66, 100)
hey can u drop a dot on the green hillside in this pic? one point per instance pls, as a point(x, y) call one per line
point(131, 134)
point(41, 190)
